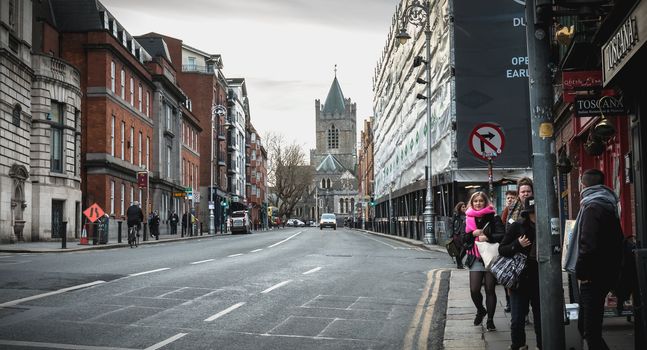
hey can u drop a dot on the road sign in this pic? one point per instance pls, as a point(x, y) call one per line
point(94, 212)
point(486, 141)
point(196, 197)
point(188, 190)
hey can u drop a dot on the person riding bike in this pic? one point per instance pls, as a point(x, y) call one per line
point(135, 217)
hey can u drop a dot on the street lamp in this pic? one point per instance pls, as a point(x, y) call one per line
point(216, 111)
point(418, 14)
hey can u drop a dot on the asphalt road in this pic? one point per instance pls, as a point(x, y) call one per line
point(296, 288)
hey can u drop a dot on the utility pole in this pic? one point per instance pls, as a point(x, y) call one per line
point(538, 23)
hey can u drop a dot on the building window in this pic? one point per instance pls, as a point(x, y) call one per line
point(112, 197)
point(148, 152)
point(141, 195)
point(123, 140)
point(112, 136)
point(328, 183)
point(123, 199)
point(132, 194)
point(132, 92)
point(131, 145)
point(323, 183)
point(112, 76)
point(16, 115)
point(77, 151)
point(168, 161)
point(139, 149)
point(333, 137)
point(56, 153)
point(168, 112)
point(123, 83)
point(148, 103)
point(139, 98)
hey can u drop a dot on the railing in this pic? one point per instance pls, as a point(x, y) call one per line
point(198, 69)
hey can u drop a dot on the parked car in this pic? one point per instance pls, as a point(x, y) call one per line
point(239, 222)
point(295, 223)
point(328, 220)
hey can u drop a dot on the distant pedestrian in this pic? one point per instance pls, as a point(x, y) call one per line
point(521, 238)
point(186, 222)
point(481, 224)
point(458, 230)
point(510, 198)
point(595, 253)
point(154, 224)
point(173, 221)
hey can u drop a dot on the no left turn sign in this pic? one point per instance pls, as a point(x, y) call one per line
point(486, 141)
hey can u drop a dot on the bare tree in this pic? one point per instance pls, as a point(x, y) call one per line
point(288, 173)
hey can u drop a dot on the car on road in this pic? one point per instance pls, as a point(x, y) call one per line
point(239, 222)
point(295, 223)
point(328, 220)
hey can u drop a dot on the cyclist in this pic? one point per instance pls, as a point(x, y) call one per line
point(135, 218)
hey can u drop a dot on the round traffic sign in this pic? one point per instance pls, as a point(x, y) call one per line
point(486, 141)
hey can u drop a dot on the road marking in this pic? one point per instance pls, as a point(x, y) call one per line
point(147, 272)
point(224, 312)
point(378, 241)
point(5, 256)
point(201, 261)
point(167, 341)
point(313, 270)
point(233, 255)
point(35, 344)
point(256, 250)
point(285, 240)
point(33, 297)
point(413, 326)
point(278, 285)
point(189, 302)
point(426, 323)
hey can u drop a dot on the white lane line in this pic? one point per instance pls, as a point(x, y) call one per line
point(233, 255)
point(165, 342)
point(36, 344)
point(33, 297)
point(5, 256)
point(201, 261)
point(285, 240)
point(224, 312)
point(313, 270)
point(147, 272)
point(278, 285)
point(256, 250)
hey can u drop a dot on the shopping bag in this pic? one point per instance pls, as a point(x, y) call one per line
point(489, 252)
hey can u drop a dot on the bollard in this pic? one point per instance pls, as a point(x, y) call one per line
point(119, 231)
point(200, 228)
point(145, 230)
point(64, 233)
point(95, 234)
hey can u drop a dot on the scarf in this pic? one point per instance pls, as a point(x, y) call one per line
point(601, 195)
point(470, 224)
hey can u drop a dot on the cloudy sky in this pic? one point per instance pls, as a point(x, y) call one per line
point(285, 49)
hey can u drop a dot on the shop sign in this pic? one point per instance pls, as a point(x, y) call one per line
point(142, 179)
point(591, 106)
point(575, 81)
point(625, 42)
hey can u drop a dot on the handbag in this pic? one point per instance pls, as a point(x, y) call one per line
point(452, 249)
point(489, 252)
point(507, 270)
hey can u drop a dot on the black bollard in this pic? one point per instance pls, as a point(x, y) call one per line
point(145, 230)
point(64, 233)
point(119, 231)
point(200, 228)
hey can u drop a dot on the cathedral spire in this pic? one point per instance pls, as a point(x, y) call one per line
point(335, 99)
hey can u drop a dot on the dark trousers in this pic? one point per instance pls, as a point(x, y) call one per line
point(592, 295)
point(174, 229)
point(520, 300)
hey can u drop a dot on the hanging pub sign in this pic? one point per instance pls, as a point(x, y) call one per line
point(575, 83)
point(594, 105)
point(142, 179)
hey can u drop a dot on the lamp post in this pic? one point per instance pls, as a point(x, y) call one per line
point(417, 13)
point(217, 111)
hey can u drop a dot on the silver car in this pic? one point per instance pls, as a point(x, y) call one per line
point(239, 222)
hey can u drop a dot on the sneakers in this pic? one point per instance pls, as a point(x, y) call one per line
point(479, 317)
point(490, 326)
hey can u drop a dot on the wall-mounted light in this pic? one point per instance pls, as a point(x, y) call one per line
point(604, 128)
point(564, 164)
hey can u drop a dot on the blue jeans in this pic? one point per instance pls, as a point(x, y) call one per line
point(520, 300)
point(592, 295)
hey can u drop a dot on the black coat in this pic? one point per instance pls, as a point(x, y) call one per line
point(494, 232)
point(601, 245)
point(510, 245)
point(135, 215)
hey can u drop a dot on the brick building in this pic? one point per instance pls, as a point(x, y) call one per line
point(190, 155)
point(365, 173)
point(256, 175)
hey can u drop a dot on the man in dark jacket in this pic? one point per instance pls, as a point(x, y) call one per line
point(134, 216)
point(521, 238)
point(599, 255)
point(173, 221)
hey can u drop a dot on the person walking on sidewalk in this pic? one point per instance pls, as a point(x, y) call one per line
point(481, 224)
point(595, 254)
point(521, 238)
point(154, 224)
point(174, 220)
point(458, 228)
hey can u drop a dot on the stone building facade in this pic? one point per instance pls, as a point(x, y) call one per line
point(15, 120)
point(238, 116)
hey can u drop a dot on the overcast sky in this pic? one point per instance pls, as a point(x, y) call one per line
point(285, 49)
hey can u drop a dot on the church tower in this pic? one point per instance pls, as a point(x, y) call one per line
point(336, 129)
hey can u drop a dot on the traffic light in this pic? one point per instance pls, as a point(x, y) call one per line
point(372, 202)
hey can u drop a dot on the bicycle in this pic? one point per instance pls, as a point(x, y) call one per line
point(133, 236)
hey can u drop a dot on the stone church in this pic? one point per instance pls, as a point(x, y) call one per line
point(334, 160)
